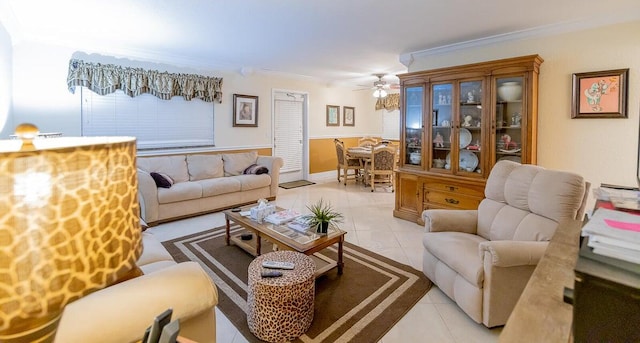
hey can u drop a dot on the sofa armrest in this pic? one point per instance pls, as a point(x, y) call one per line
point(450, 220)
point(121, 313)
point(513, 253)
point(274, 164)
point(148, 197)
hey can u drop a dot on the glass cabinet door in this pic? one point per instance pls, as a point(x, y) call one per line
point(470, 127)
point(508, 118)
point(414, 97)
point(441, 126)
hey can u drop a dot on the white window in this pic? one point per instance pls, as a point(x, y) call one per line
point(156, 123)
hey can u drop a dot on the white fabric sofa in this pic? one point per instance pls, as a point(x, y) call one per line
point(483, 259)
point(121, 313)
point(203, 183)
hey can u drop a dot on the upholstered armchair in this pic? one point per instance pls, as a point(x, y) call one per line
point(482, 259)
point(121, 313)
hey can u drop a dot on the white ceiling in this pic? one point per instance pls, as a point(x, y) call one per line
point(336, 41)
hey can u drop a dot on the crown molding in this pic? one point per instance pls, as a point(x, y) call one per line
point(542, 31)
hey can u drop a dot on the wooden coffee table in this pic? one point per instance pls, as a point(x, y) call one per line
point(286, 239)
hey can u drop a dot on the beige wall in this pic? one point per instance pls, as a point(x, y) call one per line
point(602, 150)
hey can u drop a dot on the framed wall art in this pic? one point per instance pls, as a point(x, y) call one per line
point(348, 116)
point(333, 115)
point(600, 94)
point(245, 110)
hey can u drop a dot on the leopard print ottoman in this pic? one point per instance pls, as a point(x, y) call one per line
point(280, 309)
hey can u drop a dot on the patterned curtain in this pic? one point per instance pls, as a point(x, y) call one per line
point(106, 78)
point(390, 102)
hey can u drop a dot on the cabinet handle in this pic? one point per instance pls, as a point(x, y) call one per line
point(451, 188)
point(452, 201)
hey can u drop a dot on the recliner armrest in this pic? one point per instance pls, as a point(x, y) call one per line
point(513, 253)
point(451, 220)
point(121, 313)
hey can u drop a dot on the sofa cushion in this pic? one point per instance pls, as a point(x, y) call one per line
point(459, 251)
point(221, 185)
point(174, 166)
point(204, 167)
point(235, 164)
point(249, 182)
point(179, 192)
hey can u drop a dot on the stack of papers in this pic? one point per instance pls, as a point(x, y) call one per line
point(282, 217)
point(614, 234)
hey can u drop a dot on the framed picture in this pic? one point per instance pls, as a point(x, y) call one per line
point(333, 115)
point(245, 110)
point(348, 116)
point(600, 94)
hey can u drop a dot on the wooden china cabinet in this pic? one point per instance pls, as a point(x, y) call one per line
point(456, 123)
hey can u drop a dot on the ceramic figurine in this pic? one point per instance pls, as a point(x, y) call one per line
point(469, 97)
point(438, 141)
point(515, 119)
point(467, 121)
point(506, 139)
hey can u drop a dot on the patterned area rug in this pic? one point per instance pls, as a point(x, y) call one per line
point(360, 305)
point(295, 184)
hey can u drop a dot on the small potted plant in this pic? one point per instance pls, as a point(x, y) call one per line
point(321, 215)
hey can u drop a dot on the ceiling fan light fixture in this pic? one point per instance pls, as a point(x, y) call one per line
point(379, 93)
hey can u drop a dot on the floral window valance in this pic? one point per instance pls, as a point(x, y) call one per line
point(107, 78)
point(390, 102)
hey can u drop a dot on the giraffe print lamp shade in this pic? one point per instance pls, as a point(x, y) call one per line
point(69, 225)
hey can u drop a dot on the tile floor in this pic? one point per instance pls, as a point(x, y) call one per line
point(369, 223)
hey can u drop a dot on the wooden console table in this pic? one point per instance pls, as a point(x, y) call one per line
point(541, 315)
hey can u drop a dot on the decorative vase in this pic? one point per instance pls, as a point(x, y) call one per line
point(322, 228)
point(510, 91)
point(415, 158)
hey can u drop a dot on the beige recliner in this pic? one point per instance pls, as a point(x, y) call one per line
point(482, 259)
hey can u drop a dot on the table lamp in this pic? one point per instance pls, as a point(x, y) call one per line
point(69, 225)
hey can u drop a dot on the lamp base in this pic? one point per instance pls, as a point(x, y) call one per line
point(41, 330)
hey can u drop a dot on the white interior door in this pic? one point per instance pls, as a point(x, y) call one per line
point(289, 136)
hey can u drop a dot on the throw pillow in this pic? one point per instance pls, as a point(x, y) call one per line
point(256, 169)
point(162, 180)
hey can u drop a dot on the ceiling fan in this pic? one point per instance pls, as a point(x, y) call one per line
point(380, 86)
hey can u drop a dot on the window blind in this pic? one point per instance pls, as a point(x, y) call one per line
point(155, 123)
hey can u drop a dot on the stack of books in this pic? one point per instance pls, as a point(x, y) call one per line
point(614, 234)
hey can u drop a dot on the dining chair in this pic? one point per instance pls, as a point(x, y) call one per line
point(380, 167)
point(346, 163)
point(367, 141)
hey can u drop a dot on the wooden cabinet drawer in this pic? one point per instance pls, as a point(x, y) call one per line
point(449, 199)
point(443, 186)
